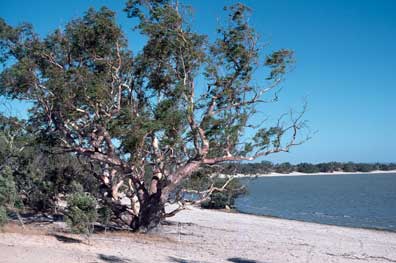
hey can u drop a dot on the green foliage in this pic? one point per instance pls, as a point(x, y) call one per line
point(3, 216)
point(39, 175)
point(307, 168)
point(84, 80)
point(218, 200)
point(44, 177)
point(95, 34)
point(102, 105)
point(349, 167)
point(278, 62)
point(104, 215)
point(81, 212)
point(226, 198)
point(200, 181)
point(267, 138)
point(284, 168)
point(8, 194)
point(33, 178)
point(268, 167)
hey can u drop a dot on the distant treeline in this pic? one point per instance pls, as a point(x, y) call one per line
point(269, 167)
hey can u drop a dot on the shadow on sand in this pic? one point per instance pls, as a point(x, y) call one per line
point(182, 260)
point(242, 260)
point(113, 259)
point(66, 239)
point(234, 260)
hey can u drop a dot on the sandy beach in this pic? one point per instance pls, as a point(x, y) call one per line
point(305, 174)
point(196, 235)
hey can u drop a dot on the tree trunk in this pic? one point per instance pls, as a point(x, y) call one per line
point(151, 202)
point(151, 214)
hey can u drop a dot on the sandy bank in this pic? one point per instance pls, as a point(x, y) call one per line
point(305, 174)
point(196, 235)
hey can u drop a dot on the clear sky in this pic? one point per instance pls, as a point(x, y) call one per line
point(346, 64)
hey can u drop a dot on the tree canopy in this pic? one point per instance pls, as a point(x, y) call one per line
point(143, 121)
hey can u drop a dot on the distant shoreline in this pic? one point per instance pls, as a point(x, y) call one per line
point(305, 174)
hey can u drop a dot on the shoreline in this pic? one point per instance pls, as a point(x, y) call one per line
point(284, 240)
point(309, 222)
point(305, 174)
point(235, 211)
point(202, 235)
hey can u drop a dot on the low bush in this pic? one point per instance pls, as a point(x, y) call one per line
point(81, 212)
point(8, 194)
point(3, 216)
point(104, 215)
point(220, 200)
point(217, 200)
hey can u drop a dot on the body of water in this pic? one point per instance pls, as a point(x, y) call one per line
point(356, 200)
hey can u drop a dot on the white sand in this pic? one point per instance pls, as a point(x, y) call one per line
point(211, 236)
point(304, 174)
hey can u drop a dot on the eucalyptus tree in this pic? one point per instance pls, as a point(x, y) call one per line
point(147, 121)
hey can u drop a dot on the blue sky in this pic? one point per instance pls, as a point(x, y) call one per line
point(346, 64)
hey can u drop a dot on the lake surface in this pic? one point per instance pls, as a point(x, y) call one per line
point(357, 200)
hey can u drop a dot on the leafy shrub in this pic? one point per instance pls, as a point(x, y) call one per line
point(104, 215)
point(307, 168)
point(81, 212)
point(218, 200)
point(3, 216)
point(201, 182)
point(284, 168)
point(8, 194)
